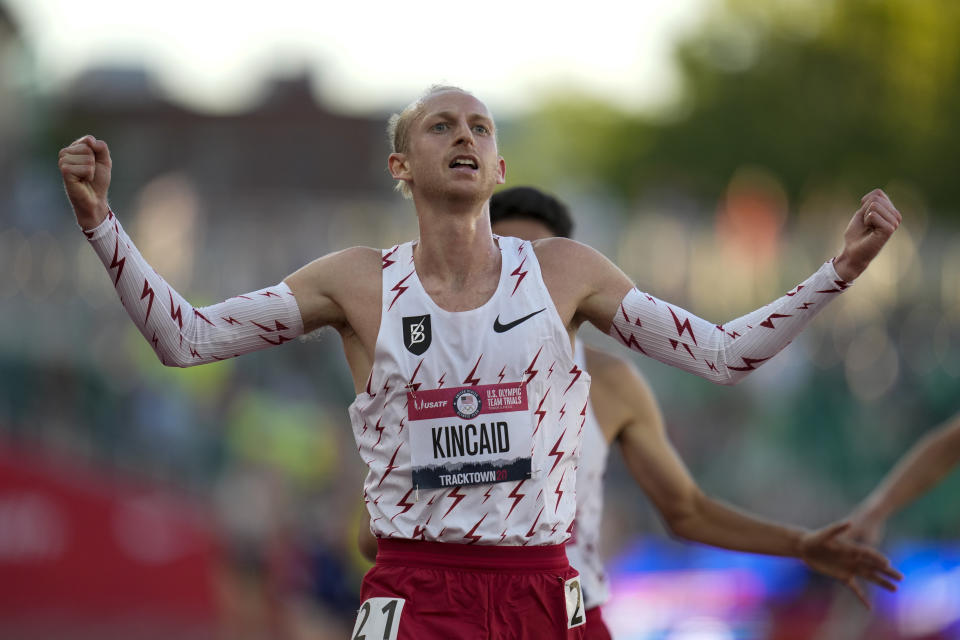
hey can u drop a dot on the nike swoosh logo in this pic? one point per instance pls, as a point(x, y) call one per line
point(500, 328)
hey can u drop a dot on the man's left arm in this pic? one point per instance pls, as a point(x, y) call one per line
point(725, 353)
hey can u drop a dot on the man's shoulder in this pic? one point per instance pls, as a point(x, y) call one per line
point(347, 267)
point(361, 254)
point(566, 253)
point(360, 258)
point(563, 255)
point(556, 245)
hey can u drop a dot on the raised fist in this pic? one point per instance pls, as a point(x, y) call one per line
point(871, 227)
point(85, 167)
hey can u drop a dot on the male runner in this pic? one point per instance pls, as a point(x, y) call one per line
point(468, 403)
point(926, 463)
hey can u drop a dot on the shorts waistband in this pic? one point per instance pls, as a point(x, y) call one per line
point(472, 557)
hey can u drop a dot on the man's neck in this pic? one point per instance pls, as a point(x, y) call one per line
point(456, 247)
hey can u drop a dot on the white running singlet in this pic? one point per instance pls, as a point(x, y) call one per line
point(470, 420)
point(583, 550)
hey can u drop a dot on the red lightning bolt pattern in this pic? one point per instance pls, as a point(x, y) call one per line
point(470, 534)
point(559, 491)
point(530, 371)
point(399, 288)
point(748, 362)
point(517, 497)
point(535, 521)
point(630, 342)
point(575, 372)
point(557, 452)
point(682, 326)
point(470, 379)
point(457, 497)
point(390, 465)
point(768, 323)
point(386, 257)
point(403, 503)
point(519, 274)
point(540, 412)
point(147, 291)
point(115, 263)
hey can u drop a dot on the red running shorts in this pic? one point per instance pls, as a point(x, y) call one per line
point(435, 590)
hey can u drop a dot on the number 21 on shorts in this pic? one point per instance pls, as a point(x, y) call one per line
point(576, 615)
point(378, 619)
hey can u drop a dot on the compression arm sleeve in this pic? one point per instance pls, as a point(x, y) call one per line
point(725, 353)
point(180, 334)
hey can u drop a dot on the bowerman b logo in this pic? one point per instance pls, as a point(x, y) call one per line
point(416, 334)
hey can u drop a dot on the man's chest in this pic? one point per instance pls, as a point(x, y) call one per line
point(461, 296)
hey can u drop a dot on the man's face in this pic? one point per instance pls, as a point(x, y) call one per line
point(452, 149)
point(523, 228)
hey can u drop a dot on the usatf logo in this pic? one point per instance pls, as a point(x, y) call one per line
point(416, 334)
point(466, 403)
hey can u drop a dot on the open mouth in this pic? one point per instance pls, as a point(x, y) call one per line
point(464, 162)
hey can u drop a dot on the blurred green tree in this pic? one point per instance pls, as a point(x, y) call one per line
point(823, 93)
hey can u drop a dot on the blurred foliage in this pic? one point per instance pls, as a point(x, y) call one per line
point(859, 93)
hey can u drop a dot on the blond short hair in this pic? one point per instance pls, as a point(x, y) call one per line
point(398, 126)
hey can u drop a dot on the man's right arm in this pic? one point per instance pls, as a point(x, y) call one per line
point(180, 334)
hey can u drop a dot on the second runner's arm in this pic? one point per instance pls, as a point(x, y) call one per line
point(924, 465)
point(690, 514)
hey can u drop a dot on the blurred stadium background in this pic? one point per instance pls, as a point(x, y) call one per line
point(224, 501)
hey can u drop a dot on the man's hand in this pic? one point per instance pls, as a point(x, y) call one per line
point(871, 227)
point(825, 551)
point(85, 167)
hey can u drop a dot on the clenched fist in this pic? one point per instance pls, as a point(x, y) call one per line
point(871, 227)
point(85, 167)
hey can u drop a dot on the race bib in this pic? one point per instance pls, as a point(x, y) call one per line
point(576, 614)
point(469, 435)
point(378, 619)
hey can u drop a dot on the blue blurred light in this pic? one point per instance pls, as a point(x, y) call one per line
point(661, 586)
point(648, 554)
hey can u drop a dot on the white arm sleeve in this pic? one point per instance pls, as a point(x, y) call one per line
point(180, 334)
point(725, 353)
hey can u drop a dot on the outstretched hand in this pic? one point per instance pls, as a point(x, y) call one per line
point(845, 560)
point(869, 229)
point(85, 166)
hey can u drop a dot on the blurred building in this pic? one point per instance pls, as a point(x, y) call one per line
point(287, 144)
